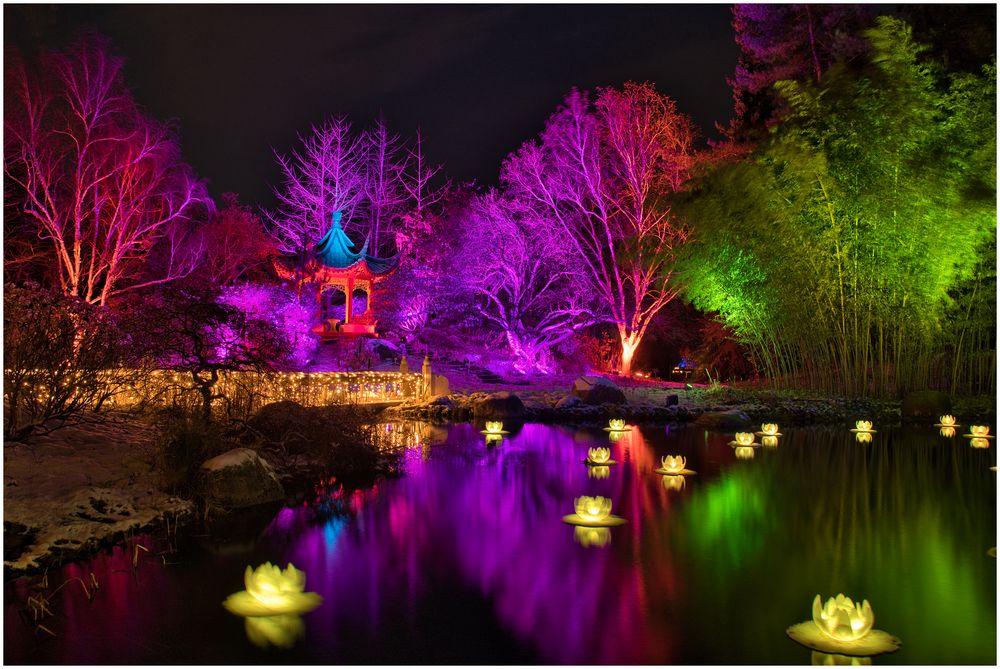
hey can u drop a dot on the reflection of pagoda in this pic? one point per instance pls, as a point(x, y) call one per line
point(336, 268)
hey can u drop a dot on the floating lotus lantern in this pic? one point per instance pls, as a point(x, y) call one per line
point(979, 442)
point(862, 426)
point(599, 456)
point(744, 452)
point(615, 425)
point(494, 427)
point(743, 439)
point(598, 471)
point(769, 441)
point(596, 537)
point(948, 432)
point(947, 421)
point(843, 627)
point(979, 432)
point(674, 483)
point(673, 465)
point(820, 659)
point(769, 430)
point(863, 437)
point(271, 592)
point(280, 631)
point(593, 512)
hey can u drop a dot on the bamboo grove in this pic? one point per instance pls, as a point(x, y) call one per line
point(854, 249)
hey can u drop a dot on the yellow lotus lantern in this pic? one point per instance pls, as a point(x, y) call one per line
point(616, 425)
point(862, 426)
point(863, 437)
point(979, 442)
point(596, 537)
point(279, 631)
point(948, 432)
point(494, 427)
point(743, 439)
point(769, 441)
point(674, 483)
point(979, 432)
point(271, 591)
point(674, 465)
point(599, 456)
point(947, 421)
point(599, 472)
point(744, 452)
point(593, 512)
point(769, 430)
point(843, 627)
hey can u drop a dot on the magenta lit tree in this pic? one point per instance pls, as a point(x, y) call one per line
point(100, 182)
point(598, 177)
point(527, 281)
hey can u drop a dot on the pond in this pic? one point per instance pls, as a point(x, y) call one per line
point(466, 558)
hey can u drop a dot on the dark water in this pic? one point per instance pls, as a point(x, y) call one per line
point(466, 559)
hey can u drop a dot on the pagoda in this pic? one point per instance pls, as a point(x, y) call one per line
point(333, 266)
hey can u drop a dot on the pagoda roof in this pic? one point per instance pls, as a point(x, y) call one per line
point(332, 256)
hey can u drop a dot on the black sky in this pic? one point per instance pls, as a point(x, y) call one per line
point(477, 79)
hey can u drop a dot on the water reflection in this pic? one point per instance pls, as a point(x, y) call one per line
point(466, 559)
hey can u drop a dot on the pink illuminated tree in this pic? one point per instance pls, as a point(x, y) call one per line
point(102, 184)
point(385, 180)
point(527, 281)
point(598, 177)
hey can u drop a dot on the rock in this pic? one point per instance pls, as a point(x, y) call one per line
point(723, 420)
point(276, 420)
point(673, 400)
point(384, 349)
point(595, 390)
point(440, 401)
point(925, 404)
point(499, 405)
point(238, 478)
point(568, 402)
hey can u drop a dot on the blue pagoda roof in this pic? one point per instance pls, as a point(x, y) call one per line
point(334, 251)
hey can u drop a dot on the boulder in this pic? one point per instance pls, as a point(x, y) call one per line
point(499, 405)
point(925, 404)
point(441, 401)
point(569, 402)
point(673, 400)
point(733, 419)
point(597, 390)
point(238, 478)
point(276, 420)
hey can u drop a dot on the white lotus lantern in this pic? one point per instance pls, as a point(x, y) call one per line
point(744, 452)
point(596, 537)
point(593, 512)
point(674, 465)
point(674, 483)
point(843, 627)
point(862, 426)
point(271, 591)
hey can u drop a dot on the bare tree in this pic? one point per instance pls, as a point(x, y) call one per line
point(599, 175)
point(102, 183)
point(385, 188)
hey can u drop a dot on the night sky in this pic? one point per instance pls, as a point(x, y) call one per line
point(478, 80)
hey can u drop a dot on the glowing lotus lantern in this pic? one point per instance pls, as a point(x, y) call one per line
point(979, 432)
point(271, 591)
point(494, 427)
point(844, 627)
point(863, 437)
point(674, 465)
point(280, 631)
point(979, 442)
point(599, 472)
point(947, 421)
point(616, 425)
point(743, 439)
point(599, 456)
point(948, 432)
point(769, 441)
point(596, 537)
point(674, 483)
point(744, 452)
point(593, 512)
point(863, 426)
point(769, 430)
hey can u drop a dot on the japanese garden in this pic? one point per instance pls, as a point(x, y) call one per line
point(500, 334)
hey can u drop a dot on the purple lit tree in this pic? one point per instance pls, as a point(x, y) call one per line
point(99, 181)
point(598, 178)
point(385, 174)
point(527, 281)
